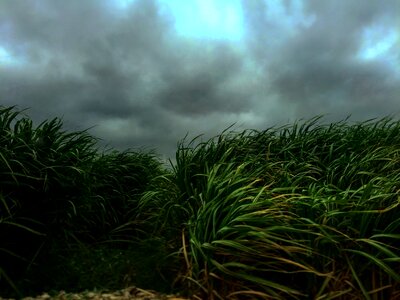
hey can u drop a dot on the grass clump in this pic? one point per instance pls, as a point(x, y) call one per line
point(60, 198)
point(298, 212)
point(303, 211)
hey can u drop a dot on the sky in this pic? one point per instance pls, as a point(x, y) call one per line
point(146, 73)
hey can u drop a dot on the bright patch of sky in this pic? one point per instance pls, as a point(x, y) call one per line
point(381, 43)
point(222, 19)
point(123, 4)
point(6, 58)
point(377, 41)
point(210, 19)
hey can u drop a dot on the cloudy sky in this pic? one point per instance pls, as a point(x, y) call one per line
point(144, 73)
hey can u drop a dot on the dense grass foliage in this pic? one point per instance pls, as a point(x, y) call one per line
point(304, 211)
point(307, 211)
point(60, 198)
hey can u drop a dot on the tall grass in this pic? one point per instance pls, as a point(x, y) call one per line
point(60, 197)
point(40, 172)
point(298, 212)
point(303, 211)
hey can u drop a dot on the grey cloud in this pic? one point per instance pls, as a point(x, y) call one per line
point(354, 11)
point(129, 74)
point(201, 88)
point(317, 69)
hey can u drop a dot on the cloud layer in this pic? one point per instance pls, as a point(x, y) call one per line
point(132, 76)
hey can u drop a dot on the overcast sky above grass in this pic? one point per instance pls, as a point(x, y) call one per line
point(146, 72)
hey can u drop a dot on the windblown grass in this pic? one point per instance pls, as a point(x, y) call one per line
point(60, 197)
point(307, 211)
point(304, 211)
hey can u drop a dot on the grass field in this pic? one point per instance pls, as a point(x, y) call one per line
point(305, 211)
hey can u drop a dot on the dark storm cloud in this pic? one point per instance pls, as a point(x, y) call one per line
point(316, 68)
point(201, 88)
point(132, 77)
point(125, 73)
point(92, 64)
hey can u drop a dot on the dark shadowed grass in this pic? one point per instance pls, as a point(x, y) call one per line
point(117, 180)
point(40, 170)
point(59, 193)
point(303, 211)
